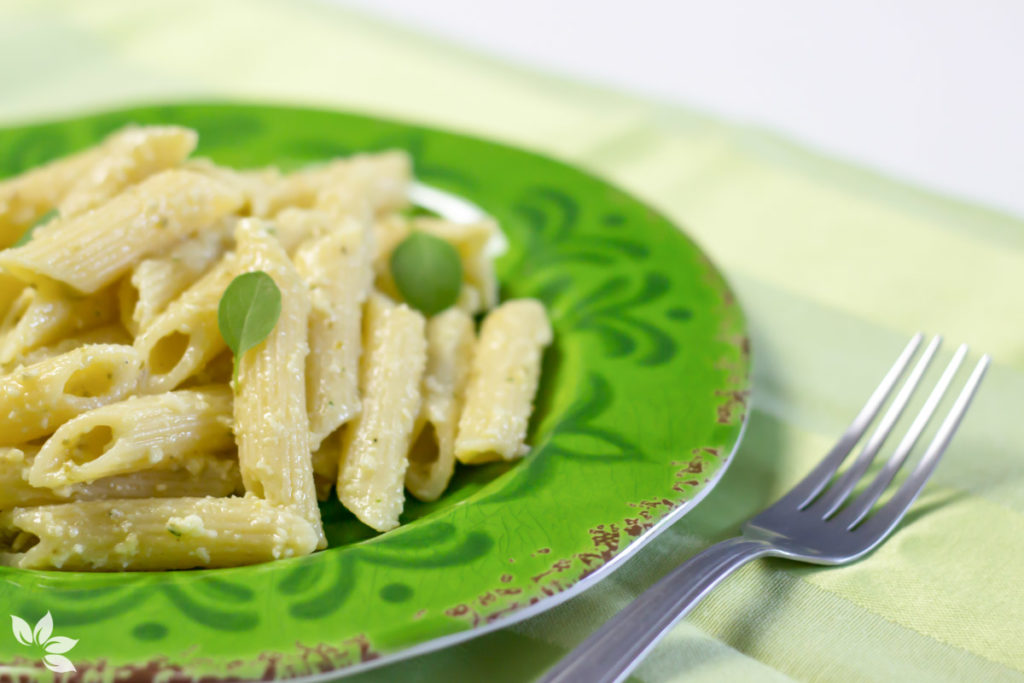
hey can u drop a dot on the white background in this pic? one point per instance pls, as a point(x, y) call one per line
point(928, 91)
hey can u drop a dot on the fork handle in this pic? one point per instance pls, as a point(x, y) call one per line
point(612, 651)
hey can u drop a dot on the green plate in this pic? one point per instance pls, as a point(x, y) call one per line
point(642, 402)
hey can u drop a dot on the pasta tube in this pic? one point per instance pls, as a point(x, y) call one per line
point(140, 433)
point(92, 250)
point(377, 182)
point(203, 475)
point(10, 289)
point(43, 316)
point(336, 269)
point(271, 422)
point(168, 533)
point(35, 400)
point(293, 227)
point(255, 185)
point(450, 339)
point(375, 445)
point(107, 334)
point(130, 155)
point(26, 197)
point(156, 281)
point(502, 383)
point(183, 339)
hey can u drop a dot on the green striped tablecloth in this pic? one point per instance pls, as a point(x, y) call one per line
point(835, 266)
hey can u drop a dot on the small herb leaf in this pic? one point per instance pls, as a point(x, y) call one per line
point(26, 236)
point(427, 272)
point(248, 311)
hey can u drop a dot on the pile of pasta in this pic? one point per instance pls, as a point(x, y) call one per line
point(124, 443)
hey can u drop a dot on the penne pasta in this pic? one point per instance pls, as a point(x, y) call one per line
point(10, 289)
point(502, 383)
point(43, 316)
point(254, 185)
point(336, 269)
point(450, 339)
point(374, 183)
point(155, 282)
point(375, 444)
point(203, 475)
point(130, 155)
point(27, 197)
point(169, 533)
point(92, 250)
point(37, 399)
point(112, 333)
point(183, 339)
point(271, 422)
point(139, 433)
point(366, 182)
point(292, 227)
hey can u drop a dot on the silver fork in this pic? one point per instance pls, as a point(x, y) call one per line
point(809, 523)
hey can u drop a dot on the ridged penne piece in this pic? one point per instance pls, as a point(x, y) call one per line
point(130, 155)
point(336, 269)
point(139, 433)
point(183, 339)
point(271, 422)
point(378, 183)
point(37, 399)
point(156, 281)
point(42, 316)
point(293, 227)
point(375, 444)
point(255, 185)
point(203, 475)
point(480, 286)
point(26, 197)
point(450, 339)
point(296, 190)
point(10, 289)
point(503, 382)
point(375, 182)
point(167, 533)
point(112, 333)
point(94, 249)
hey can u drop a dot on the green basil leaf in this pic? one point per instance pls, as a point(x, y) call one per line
point(427, 271)
point(247, 313)
point(26, 236)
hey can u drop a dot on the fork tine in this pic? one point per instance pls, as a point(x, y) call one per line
point(880, 524)
point(861, 505)
point(836, 494)
point(811, 485)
